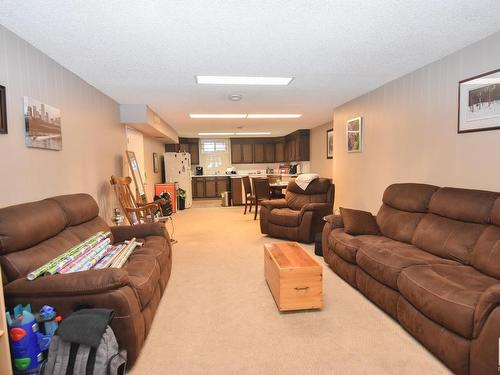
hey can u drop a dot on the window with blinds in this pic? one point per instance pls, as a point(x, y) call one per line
point(212, 146)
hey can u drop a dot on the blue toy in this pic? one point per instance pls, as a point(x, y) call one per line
point(50, 320)
point(26, 342)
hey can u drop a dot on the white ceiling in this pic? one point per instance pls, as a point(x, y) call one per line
point(148, 52)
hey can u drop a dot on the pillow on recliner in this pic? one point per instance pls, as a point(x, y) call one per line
point(358, 222)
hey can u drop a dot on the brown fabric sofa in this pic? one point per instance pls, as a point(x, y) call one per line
point(33, 233)
point(435, 268)
point(298, 216)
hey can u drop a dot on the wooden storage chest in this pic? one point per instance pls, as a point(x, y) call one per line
point(294, 277)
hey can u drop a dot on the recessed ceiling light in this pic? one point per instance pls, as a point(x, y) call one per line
point(241, 80)
point(235, 97)
point(215, 133)
point(220, 115)
point(274, 115)
point(253, 133)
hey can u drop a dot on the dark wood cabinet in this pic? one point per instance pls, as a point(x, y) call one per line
point(258, 153)
point(236, 153)
point(279, 152)
point(200, 188)
point(292, 148)
point(236, 191)
point(221, 185)
point(210, 187)
point(247, 153)
point(297, 146)
point(194, 150)
point(189, 145)
point(269, 156)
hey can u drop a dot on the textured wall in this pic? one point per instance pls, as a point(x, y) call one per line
point(411, 133)
point(151, 145)
point(93, 138)
point(319, 163)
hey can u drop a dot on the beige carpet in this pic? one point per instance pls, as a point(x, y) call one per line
point(217, 315)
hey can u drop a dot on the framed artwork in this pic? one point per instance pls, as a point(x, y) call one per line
point(43, 125)
point(479, 103)
point(3, 111)
point(329, 144)
point(155, 162)
point(354, 135)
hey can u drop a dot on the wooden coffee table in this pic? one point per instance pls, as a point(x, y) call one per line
point(294, 277)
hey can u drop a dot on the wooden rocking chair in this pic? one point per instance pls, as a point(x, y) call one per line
point(135, 212)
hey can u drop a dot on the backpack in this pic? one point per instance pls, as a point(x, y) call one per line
point(85, 344)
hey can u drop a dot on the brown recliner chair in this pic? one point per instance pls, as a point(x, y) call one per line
point(299, 216)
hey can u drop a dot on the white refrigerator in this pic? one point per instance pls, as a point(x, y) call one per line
point(178, 169)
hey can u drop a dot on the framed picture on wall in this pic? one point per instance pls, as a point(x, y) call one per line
point(479, 103)
point(354, 135)
point(3, 111)
point(329, 144)
point(43, 125)
point(155, 163)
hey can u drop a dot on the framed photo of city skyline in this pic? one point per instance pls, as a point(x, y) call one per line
point(3, 111)
point(43, 125)
point(479, 103)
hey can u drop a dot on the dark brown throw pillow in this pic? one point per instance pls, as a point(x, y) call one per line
point(358, 222)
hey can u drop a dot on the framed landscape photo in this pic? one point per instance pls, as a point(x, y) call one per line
point(3, 111)
point(354, 135)
point(329, 144)
point(479, 103)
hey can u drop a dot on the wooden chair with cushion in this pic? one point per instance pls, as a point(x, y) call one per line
point(136, 212)
point(249, 197)
point(262, 192)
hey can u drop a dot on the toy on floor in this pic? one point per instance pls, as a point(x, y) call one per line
point(27, 343)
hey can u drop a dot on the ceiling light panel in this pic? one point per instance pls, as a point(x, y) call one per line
point(253, 133)
point(215, 133)
point(242, 80)
point(274, 115)
point(219, 115)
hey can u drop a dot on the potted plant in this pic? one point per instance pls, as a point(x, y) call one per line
point(181, 193)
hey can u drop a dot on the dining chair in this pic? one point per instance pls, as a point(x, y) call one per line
point(262, 191)
point(249, 197)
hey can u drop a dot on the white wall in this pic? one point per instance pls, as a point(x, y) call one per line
point(317, 150)
point(93, 138)
point(411, 133)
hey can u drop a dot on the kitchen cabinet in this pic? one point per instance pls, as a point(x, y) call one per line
point(237, 191)
point(258, 153)
point(210, 187)
point(242, 151)
point(199, 188)
point(221, 185)
point(292, 148)
point(269, 153)
point(297, 146)
point(236, 153)
point(247, 153)
point(189, 145)
point(279, 152)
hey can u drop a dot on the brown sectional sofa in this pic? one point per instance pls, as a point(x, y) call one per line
point(33, 233)
point(435, 268)
point(298, 216)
